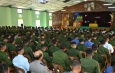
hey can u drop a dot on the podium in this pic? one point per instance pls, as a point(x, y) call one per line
point(93, 25)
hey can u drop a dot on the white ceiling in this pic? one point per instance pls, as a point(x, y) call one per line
point(52, 5)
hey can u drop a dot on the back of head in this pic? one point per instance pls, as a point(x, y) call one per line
point(43, 46)
point(62, 46)
point(102, 42)
point(3, 68)
point(19, 48)
point(38, 55)
point(76, 66)
point(81, 40)
point(89, 37)
point(94, 47)
point(89, 52)
point(1, 45)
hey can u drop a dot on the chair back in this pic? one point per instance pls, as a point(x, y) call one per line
point(28, 57)
point(83, 53)
point(58, 68)
point(20, 70)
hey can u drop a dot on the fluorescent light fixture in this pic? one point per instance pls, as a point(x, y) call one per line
point(76, 1)
point(108, 4)
point(112, 7)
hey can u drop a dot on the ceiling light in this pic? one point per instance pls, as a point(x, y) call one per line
point(85, 0)
point(76, 1)
point(43, 1)
point(112, 7)
point(107, 4)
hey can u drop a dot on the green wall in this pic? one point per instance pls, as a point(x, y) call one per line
point(9, 17)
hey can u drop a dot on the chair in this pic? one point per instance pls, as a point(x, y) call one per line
point(45, 62)
point(58, 68)
point(12, 54)
point(20, 69)
point(83, 54)
point(28, 57)
point(106, 60)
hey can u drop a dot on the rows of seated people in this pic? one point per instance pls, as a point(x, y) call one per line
point(52, 50)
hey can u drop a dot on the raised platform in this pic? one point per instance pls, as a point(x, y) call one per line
point(86, 27)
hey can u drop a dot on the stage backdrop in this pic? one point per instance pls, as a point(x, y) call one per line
point(103, 19)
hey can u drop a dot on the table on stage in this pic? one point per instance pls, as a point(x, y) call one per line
point(93, 25)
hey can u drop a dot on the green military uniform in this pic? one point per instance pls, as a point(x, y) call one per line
point(74, 53)
point(95, 41)
point(39, 46)
point(47, 57)
point(28, 51)
point(31, 44)
point(52, 49)
point(4, 57)
point(19, 41)
point(112, 42)
point(81, 47)
point(59, 57)
point(103, 50)
point(1, 39)
point(99, 58)
point(90, 65)
point(68, 45)
point(11, 47)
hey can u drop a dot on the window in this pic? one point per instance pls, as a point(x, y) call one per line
point(19, 10)
point(50, 22)
point(38, 23)
point(50, 14)
point(37, 12)
point(20, 21)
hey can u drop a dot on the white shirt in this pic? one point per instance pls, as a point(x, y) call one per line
point(21, 62)
point(109, 47)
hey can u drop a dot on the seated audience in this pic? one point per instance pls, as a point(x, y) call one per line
point(20, 61)
point(37, 66)
point(89, 64)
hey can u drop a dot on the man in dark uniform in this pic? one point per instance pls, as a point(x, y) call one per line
point(3, 55)
point(46, 55)
point(28, 50)
point(81, 46)
point(61, 58)
point(53, 48)
point(89, 64)
point(97, 56)
point(73, 52)
point(102, 50)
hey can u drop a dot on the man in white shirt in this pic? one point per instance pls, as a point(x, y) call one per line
point(20, 61)
point(108, 46)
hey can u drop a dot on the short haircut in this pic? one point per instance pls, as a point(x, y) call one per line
point(81, 40)
point(75, 63)
point(89, 37)
point(69, 38)
point(62, 46)
point(38, 57)
point(102, 42)
point(25, 41)
point(19, 48)
point(94, 47)
point(3, 68)
point(43, 45)
point(72, 43)
point(42, 39)
point(2, 44)
point(54, 41)
point(89, 51)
